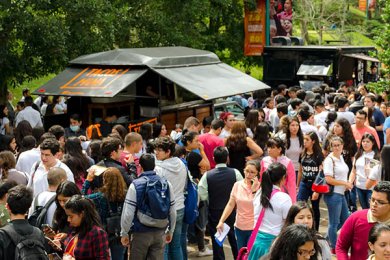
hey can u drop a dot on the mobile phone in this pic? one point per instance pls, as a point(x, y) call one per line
point(52, 244)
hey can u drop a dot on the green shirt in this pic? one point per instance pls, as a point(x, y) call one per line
point(4, 216)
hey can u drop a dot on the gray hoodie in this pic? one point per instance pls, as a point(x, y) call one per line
point(174, 170)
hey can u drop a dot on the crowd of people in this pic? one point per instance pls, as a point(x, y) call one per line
point(106, 193)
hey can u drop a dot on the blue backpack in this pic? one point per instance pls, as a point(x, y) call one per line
point(191, 201)
point(154, 203)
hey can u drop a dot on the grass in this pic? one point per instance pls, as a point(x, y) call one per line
point(32, 85)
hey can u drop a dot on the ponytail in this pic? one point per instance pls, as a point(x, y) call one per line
point(272, 176)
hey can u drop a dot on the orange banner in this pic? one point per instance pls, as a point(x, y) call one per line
point(254, 22)
point(362, 5)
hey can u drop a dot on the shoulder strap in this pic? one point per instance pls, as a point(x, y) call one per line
point(50, 201)
point(10, 231)
point(35, 170)
point(333, 165)
point(258, 224)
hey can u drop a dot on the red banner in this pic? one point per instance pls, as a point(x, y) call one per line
point(255, 35)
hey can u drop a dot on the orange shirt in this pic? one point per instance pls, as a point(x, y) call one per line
point(359, 132)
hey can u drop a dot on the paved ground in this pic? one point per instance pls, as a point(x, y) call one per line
point(193, 250)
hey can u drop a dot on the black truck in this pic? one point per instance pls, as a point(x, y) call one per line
point(309, 66)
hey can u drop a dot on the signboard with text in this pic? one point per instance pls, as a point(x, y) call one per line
point(255, 29)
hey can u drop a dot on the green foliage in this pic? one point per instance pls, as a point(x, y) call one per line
point(40, 37)
point(383, 41)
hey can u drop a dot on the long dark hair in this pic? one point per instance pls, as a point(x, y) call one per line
point(317, 151)
point(385, 155)
point(75, 159)
point(24, 128)
point(374, 147)
point(330, 118)
point(79, 204)
point(252, 119)
point(349, 141)
point(288, 133)
point(66, 189)
point(294, 211)
point(261, 135)
point(273, 175)
point(290, 239)
point(237, 139)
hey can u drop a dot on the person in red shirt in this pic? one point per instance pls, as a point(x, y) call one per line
point(211, 140)
point(359, 128)
point(128, 157)
point(354, 233)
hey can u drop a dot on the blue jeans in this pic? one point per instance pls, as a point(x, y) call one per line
point(337, 214)
point(304, 194)
point(242, 237)
point(117, 250)
point(183, 240)
point(173, 250)
point(364, 197)
point(351, 197)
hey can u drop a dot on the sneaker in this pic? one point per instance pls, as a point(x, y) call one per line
point(205, 252)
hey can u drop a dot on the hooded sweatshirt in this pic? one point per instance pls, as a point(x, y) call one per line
point(174, 170)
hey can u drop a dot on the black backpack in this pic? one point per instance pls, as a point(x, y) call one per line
point(29, 246)
point(39, 215)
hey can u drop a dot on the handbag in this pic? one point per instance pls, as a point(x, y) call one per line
point(244, 252)
point(113, 226)
point(320, 185)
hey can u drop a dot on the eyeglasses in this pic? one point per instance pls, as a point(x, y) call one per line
point(252, 172)
point(304, 253)
point(378, 202)
point(336, 145)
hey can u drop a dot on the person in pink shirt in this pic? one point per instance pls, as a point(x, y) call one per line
point(133, 145)
point(360, 128)
point(353, 235)
point(211, 140)
point(241, 197)
point(276, 149)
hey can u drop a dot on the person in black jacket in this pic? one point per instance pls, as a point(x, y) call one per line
point(112, 148)
point(216, 186)
point(18, 202)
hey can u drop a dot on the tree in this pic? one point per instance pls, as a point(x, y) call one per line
point(321, 15)
point(40, 37)
point(382, 40)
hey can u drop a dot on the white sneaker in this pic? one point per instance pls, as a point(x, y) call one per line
point(205, 252)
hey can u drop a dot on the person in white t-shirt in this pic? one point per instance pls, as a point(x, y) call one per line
point(55, 176)
point(361, 168)
point(38, 176)
point(276, 204)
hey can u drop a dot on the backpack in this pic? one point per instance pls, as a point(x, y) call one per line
point(153, 208)
point(29, 246)
point(39, 215)
point(191, 201)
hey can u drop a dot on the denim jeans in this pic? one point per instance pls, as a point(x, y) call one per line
point(364, 197)
point(351, 197)
point(117, 250)
point(242, 237)
point(183, 240)
point(337, 214)
point(173, 250)
point(304, 194)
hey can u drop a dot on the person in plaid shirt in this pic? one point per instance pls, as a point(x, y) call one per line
point(88, 239)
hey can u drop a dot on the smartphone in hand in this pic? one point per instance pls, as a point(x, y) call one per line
point(53, 244)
